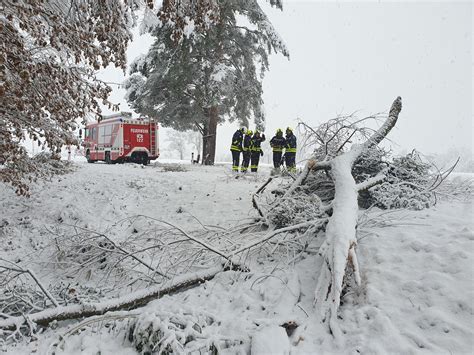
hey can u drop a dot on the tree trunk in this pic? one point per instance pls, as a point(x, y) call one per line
point(205, 149)
point(209, 136)
point(213, 116)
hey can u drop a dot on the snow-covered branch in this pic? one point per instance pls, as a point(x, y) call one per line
point(9, 266)
point(387, 126)
point(190, 237)
point(367, 184)
point(274, 233)
point(130, 301)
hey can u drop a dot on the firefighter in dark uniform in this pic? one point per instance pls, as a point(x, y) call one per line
point(256, 150)
point(236, 148)
point(246, 151)
point(290, 150)
point(277, 143)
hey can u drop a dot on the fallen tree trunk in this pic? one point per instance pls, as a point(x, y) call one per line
point(128, 302)
point(339, 249)
point(340, 237)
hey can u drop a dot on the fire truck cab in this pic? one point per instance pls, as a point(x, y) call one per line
point(119, 138)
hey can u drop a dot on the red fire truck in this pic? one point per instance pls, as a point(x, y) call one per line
point(119, 138)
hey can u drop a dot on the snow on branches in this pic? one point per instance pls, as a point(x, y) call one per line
point(50, 52)
point(205, 67)
point(347, 171)
point(187, 18)
point(85, 273)
point(82, 272)
point(184, 17)
point(346, 160)
point(339, 248)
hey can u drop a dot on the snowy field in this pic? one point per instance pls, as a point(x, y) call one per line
point(417, 266)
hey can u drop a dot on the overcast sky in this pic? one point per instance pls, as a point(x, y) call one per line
point(347, 57)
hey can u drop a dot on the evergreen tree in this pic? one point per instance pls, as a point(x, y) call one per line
point(196, 79)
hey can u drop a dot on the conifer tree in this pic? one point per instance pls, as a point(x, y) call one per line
point(205, 66)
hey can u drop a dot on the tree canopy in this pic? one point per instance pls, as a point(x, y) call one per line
point(189, 72)
point(49, 53)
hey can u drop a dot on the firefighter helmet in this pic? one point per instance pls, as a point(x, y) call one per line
point(288, 129)
point(249, 132)
point(279, 130)
point(243, 129)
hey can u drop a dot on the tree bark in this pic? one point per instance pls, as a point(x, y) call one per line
point(213, 119)
point(205, 149)
point(209, 136)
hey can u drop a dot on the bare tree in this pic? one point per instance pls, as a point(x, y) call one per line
point(195, 139)
point(178, 142)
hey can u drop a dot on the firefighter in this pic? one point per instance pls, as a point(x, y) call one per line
point(246, 151)
point(277, 143)
point(290, 150)
point(256, 150)
point(236, 148)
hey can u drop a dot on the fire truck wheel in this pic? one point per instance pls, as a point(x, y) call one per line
point(107, 158)
point(88, 157)
point(145, 159)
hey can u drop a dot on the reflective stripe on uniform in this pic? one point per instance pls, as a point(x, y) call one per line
point(275, 149)
point(235, 148)
point(290, 150)
point(235, 168)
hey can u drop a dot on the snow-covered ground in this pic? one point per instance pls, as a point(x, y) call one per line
point(98, 195)
point(418, 283)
